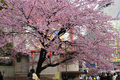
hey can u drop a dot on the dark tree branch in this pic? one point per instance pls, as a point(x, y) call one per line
point(42, 57)
point(53, 65)
point(30, 12)
point(21, 9)
point(63, 61)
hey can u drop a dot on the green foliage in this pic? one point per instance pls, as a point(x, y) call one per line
point(1, 8)
point(3, 50)
point(9, 45)
point(4, 4)
point(6, 49)
point(3, 33)
point(2, 1)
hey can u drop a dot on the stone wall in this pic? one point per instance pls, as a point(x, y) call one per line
point(7, 70)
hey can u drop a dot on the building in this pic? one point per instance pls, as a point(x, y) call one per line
point(114, 11)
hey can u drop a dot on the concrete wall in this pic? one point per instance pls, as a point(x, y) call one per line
point(70, 67)
point(8, 70)
point(21, 67)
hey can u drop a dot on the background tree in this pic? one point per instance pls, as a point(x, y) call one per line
point(27, 22)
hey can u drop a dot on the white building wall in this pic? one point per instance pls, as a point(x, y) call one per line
point(70, 67)
point(113, 10)
point(7, 70)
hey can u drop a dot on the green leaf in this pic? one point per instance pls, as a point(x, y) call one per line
point(1, 7)
point(2, 1)
point(9, 45)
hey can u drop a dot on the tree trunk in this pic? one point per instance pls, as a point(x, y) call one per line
point(40, 61)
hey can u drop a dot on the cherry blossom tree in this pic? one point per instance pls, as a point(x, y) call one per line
point(91, 36)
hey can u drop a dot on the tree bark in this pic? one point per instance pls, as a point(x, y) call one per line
point(40, 61)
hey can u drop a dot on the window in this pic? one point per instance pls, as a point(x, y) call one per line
point(18, 59)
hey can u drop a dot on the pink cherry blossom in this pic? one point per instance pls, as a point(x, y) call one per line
point(32, 24)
